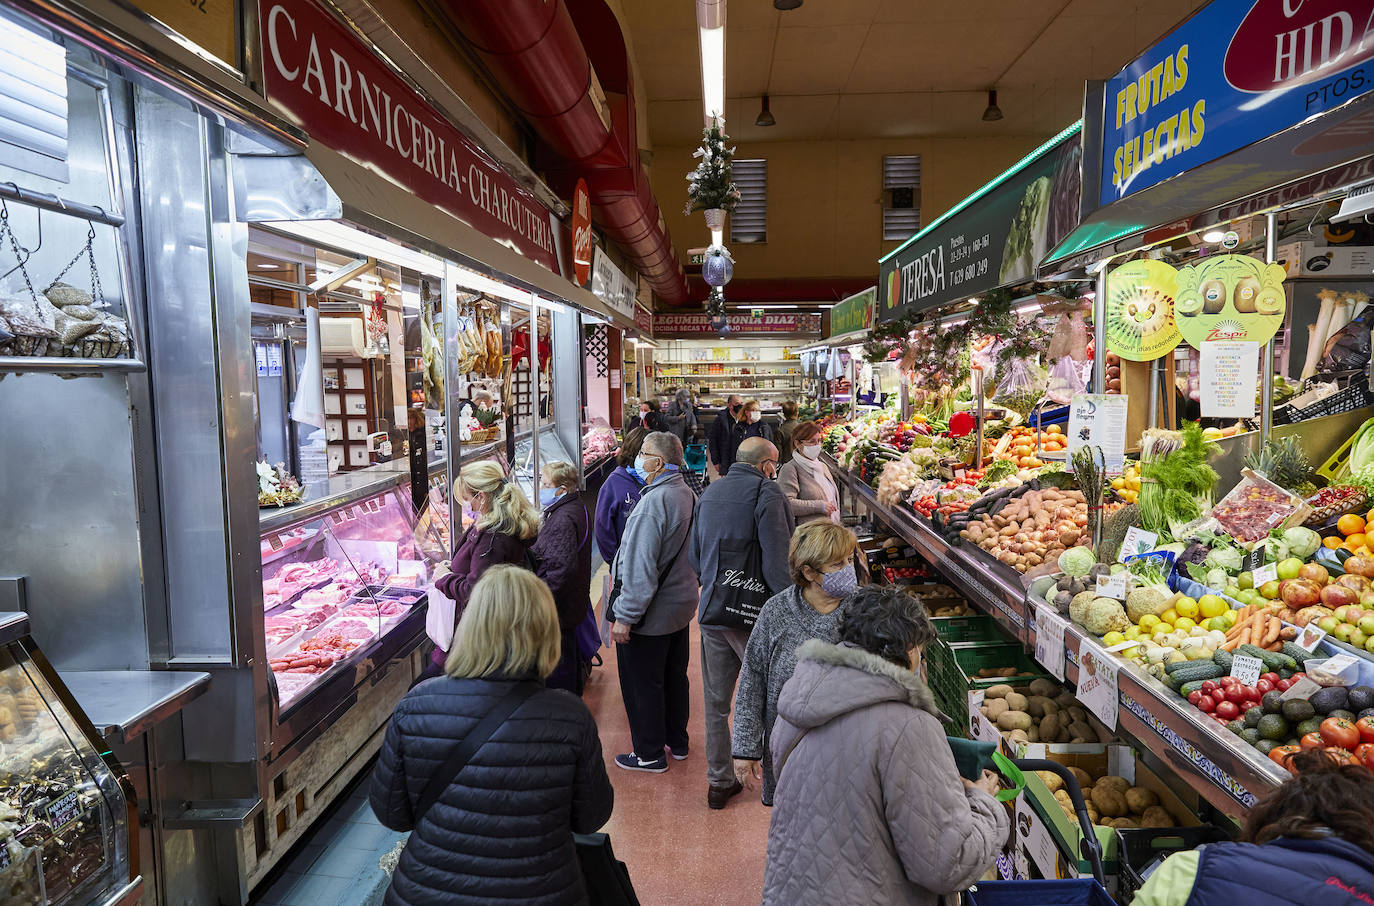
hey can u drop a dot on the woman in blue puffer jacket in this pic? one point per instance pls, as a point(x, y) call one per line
point(501, 830)
point(1310, 841)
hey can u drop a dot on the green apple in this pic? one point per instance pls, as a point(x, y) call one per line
point(1233, 591)
point(1288, 568)
point(1270, 590)
point(1369, 644)
point(1344, 631)
point(1366, 624)
point(1247, 596)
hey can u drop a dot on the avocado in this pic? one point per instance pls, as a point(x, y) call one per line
point(1250, 735)
point(1297, 710)
point(1331, 698)
point(1273, 727)
point(1360, 698)
point(1272, 703)
point(1341, 712)
point(1311, 725)
point(1265, 745)
point(1236, 726)
point(1253, 715)
point(1367, 712)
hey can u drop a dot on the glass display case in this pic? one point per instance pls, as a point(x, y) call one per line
point(338, 582)
point(551, 449)
point(66, 809)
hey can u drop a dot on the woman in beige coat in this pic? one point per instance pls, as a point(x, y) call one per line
point(805, 480)
point(869, 806)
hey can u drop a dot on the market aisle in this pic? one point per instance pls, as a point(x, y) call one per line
point(679, 852)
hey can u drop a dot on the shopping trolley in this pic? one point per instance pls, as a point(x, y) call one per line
point(695, 458)
point(1059, 892)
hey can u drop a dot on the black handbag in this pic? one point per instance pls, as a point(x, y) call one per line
point(740, 585)
point(607, 878)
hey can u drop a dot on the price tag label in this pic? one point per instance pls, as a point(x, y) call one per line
point(1049, 640)
point(1253, 560)
point(63, 812)
point(1309, 636)
point(1137, 541)
point(1122, 646)
point(1097, 683)
point(1266, 573)
point(1301, 689)
point(274, 541)
point(980, 728)
point(1113, 586)
point(1247, 669)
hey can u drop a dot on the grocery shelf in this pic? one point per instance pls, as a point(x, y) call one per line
point(1224, 771)
point(736, 374)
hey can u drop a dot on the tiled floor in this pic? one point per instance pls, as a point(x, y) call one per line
point(338, 865)
point(679, 852)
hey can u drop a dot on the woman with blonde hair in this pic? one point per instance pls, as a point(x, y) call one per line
point(502, 524)
point(821, 559)
point(533, 774)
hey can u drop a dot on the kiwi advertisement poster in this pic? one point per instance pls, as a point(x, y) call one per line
point(1140, 310)
point(1229, 297)
point(995, 239)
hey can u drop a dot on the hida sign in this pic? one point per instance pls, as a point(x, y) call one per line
point(347, 99)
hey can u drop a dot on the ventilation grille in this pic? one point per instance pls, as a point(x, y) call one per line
point(33, 93)
point(901, 195)
point(749, 222)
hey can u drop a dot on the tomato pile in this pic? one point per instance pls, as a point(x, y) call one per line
point(1225, 699)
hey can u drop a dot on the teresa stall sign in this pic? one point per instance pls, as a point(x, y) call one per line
point(854, 313)
point(332, 84)
point(1238, 71)
point(995, 237)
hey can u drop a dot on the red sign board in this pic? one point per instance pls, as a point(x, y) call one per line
point(738, 324)
point(644, 320)
point(582, 234)
point(346, 98)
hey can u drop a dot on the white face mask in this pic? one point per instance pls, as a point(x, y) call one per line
point(754, 416)
point(811, 451)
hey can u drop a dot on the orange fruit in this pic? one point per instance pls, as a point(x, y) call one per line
point(1350, 523)
point(1356, 541)
point(1331, 542)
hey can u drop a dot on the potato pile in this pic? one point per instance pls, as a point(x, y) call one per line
point(1032, 529)
point(1039, 712)
point(940, 600)
point(1111, 800)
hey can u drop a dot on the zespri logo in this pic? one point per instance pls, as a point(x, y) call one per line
point(1287, 43)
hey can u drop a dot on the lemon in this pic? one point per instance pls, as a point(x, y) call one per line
point(1186, 607)
point(1133, 633)
point(1118, 484)
point(1164, 629)
point(1113, 638)
point(1129, 653)
point(1184, 623)
point(1169, 616)
point(1212, 606)
point(1149, 621)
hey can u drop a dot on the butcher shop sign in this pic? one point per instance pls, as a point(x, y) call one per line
point(326, 79)
point(996, 237)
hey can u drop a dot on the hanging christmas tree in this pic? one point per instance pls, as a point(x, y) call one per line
point(709, 186)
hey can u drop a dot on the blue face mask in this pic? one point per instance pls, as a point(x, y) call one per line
point(548, 496)
point(636, 474)
point(841, 583)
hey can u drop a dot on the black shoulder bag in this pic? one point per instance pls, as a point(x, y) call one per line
point(502, 710)
point(740, 585)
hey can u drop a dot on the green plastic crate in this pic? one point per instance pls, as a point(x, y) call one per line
point(952, 672)
point(968, 629)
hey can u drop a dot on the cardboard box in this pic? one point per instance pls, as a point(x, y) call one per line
point(1097, 760)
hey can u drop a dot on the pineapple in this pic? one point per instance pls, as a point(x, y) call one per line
point(487, 418)
point(1284, 463)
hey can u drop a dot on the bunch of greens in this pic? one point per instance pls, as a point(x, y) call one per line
point(1000, 470)
point(1175, 480)
point(1361, 448)
point(1363, 478)
point(1088, 471)
point(1150, 572)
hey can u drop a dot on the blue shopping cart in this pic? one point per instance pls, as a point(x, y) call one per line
point(1060, 892)
point(695, 458)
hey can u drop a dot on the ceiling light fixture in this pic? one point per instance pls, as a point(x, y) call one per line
point(1213, 235)
point(765, 115)
point(993, 113)
point(711, 35)
point(786, 5)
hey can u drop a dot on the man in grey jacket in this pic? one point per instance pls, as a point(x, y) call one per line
point(744, 506)
point(653, 613)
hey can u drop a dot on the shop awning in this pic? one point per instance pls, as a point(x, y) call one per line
point(854, 315)
point(993, 238)
point(375, 202)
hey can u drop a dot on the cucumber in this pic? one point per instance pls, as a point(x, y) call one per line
point(1223, 660)
point(1193, 671)
point(1273, 661)
point(1189, 688)
point(1298, 654)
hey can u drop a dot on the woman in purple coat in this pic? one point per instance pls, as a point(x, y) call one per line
point(618, 496)
point(564, 554)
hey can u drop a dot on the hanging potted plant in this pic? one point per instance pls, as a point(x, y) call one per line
point(709, 187)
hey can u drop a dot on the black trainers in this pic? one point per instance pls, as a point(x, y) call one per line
point(632, 762)
point(677, 756)
point(717, 796)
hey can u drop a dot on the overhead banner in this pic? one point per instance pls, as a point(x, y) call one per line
point(669, 325)
point(329, 82)
point(1238, 71)
point(994, 238)
point(853, 314)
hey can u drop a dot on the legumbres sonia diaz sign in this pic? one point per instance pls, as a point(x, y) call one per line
point(670, 325)
point(329, 82)
point(1238, 71)
point(994, 238)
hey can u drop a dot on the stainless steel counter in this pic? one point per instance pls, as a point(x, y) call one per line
point(122, 704)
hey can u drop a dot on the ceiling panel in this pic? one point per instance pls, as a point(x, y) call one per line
point(812, 14)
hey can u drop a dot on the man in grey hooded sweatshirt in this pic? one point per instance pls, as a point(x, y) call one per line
point(653, 611)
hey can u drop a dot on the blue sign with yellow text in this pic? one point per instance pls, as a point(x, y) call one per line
point(1237, 72)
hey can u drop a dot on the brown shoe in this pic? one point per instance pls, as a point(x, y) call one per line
point(717, 796)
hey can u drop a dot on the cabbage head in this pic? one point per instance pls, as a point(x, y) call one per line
point(1302, 542)
point(1077, 561)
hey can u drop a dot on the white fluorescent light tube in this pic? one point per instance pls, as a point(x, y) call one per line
point(548, 303)
point(717, 236)
point(712, 71)
point(357, 242)
point(483, 284)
